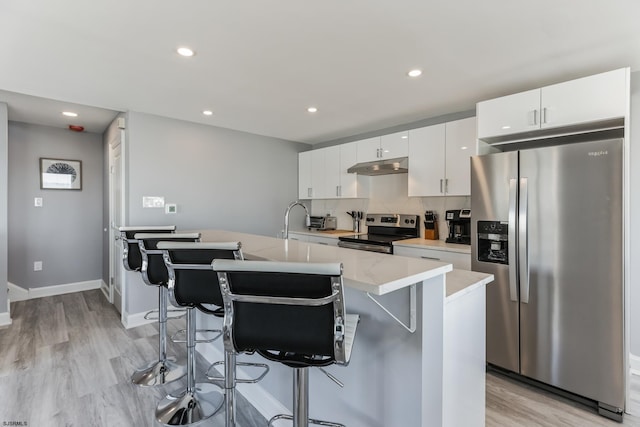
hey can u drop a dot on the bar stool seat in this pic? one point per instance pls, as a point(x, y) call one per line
point(154, 273)
point(291, 313)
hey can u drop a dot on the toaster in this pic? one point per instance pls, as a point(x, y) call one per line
point(323, 223)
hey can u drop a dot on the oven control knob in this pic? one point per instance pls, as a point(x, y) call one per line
point(369, 219)
point(413, 221)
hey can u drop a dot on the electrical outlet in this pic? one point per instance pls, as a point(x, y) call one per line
point(37, 266)
point(170, 208)
point(37, 202)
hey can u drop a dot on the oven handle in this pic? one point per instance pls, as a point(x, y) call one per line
point(365, 247)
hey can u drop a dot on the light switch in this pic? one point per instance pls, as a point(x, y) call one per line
point(152, 202)
point(37, 202)
point(170, 208)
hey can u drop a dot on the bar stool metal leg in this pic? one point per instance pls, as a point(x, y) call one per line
point(164, 370)
point(199, 401)
point(300, 415)
point(230, 388)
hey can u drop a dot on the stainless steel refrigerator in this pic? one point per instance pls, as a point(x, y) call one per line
point(548, 223)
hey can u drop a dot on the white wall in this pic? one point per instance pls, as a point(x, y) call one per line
point(4, 187)
point(219, 178)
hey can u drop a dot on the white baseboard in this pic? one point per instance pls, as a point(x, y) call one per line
point(47, 291)
point(16, 293)
point(262, 400)
point(136, 319)
point(634, 364)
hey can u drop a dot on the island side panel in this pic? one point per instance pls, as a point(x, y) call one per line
point(464, 360)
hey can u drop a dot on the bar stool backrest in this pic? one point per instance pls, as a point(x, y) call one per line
point(131, 256)
point(192, 282)
point(154, 271)
point(289, 312)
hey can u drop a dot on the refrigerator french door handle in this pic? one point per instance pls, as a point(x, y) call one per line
point(512, 248)
point(523, 241)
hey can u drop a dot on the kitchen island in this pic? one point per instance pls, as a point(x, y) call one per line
point(418, 357)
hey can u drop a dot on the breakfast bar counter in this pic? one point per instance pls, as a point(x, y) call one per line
point(419, 352)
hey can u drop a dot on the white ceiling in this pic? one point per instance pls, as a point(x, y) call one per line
point(260, 64)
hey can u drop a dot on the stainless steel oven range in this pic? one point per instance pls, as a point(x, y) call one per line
point(382, 231)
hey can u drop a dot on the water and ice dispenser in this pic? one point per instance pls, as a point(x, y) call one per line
point(493, 242)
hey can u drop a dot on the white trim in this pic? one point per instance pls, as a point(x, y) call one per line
point(16, 293)
point(47, 291)
point(262, 400)
point(634, 364)
point(134, 320)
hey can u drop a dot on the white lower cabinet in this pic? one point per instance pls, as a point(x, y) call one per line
point(459, 260)
point(320, 240)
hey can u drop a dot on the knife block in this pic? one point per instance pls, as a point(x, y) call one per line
point(431, 230)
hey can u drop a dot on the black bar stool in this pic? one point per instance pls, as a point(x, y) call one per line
point(193, 284)
point(154, 273)
point(131, 257)
point(292, 313)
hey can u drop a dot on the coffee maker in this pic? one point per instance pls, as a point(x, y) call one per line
point(459, 222)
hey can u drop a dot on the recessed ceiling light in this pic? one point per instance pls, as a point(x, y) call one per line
point(207, 112)
point(404, 137)
point(312, 109)
point(505, 127)
point(69, 114)
point(185, 51)
point(414, 73)
point(464, 148)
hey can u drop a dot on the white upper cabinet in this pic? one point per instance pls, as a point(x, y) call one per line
point(439, 159)
point(461, 145)
point(322, 174)
point(386, 147)
point(305, 187)
point(590, 99)
point(394, 145)
point(426, 161)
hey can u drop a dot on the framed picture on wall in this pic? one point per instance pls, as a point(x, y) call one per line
point(58, 174)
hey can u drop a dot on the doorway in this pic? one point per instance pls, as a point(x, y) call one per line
point(114, 292)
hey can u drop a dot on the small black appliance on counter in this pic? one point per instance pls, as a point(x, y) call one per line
point(459, 222)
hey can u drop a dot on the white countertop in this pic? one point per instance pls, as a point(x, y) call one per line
point(366, 271)
point(328, 233)
point(439, 245)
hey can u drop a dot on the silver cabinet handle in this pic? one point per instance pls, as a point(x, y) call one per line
point(513, 247)
point(535, 117)
point(446, 185)
point(544, 115)
point(338, 190)
point(429, 257)
point(322, 243)
point(309, 191)
point(441, 186)
point(523, 242)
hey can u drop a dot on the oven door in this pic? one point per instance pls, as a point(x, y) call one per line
point(385, 249)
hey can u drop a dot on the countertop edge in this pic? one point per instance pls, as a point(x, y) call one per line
point(462, 282)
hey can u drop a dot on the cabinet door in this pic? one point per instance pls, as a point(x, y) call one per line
point(349, 182)
point(395, 145)
point(593, 98)
point(426, 161)
point(368, 149)
point(304, 175)
point(332, 168)
point(510, 114)
point(460, 146)
point(318, 174)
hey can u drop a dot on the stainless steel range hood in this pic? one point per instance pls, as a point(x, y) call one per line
point(381, 167)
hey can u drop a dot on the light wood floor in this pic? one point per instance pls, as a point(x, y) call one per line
point(66, 361)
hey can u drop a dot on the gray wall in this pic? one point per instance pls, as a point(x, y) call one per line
point(634, 232)
point(4, 179)
point(65, 234)
point(219, 178)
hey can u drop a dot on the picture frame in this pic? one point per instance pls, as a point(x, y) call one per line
point(60, 174)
